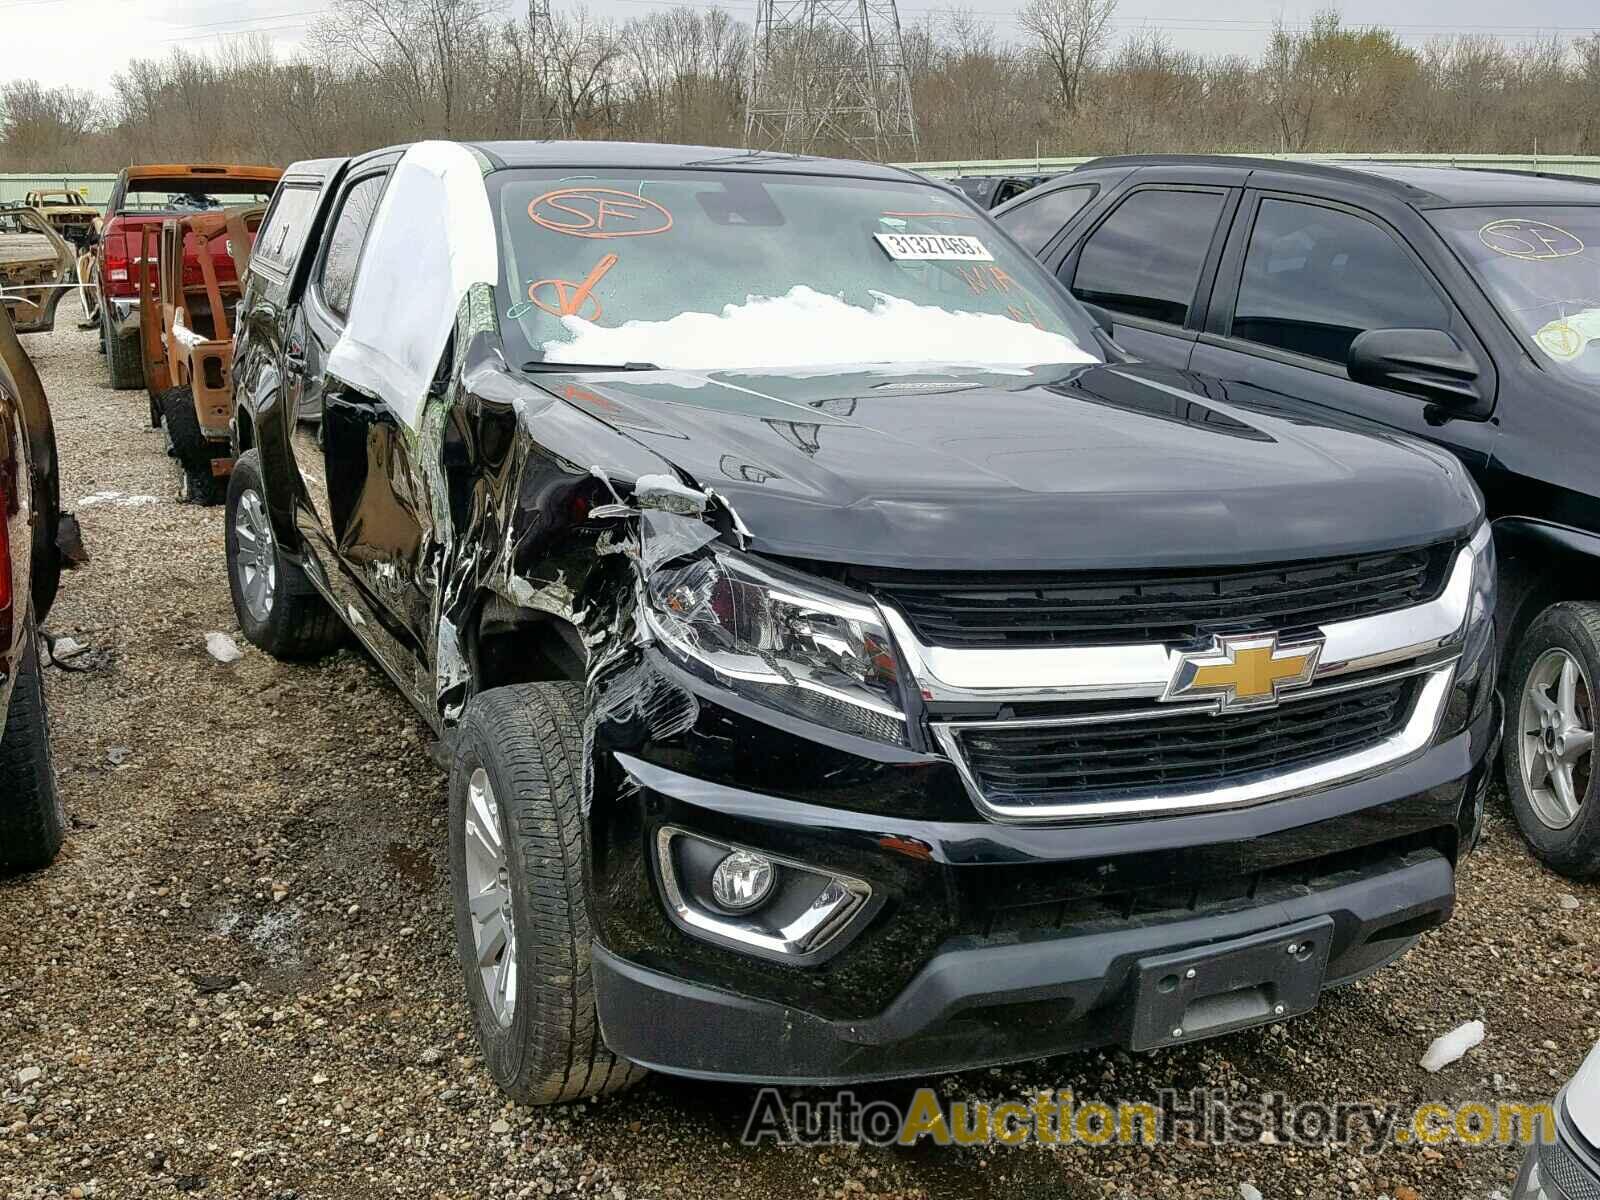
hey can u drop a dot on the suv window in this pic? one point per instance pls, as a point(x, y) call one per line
point(283, 229)
point(1145, 259)
point(344, 244)
point(1316, 277)
point(1033, 224)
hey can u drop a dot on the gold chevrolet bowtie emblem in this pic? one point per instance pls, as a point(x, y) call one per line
point(1244, 671)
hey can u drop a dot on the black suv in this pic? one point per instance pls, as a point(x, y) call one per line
point(852, 667)
point(1459, 305)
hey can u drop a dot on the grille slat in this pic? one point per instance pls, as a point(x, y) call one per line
point(971, 610)
point(1031, 764)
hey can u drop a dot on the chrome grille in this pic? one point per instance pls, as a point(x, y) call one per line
point(1575, 1180)
point(1018, 763)
point(1008, 609)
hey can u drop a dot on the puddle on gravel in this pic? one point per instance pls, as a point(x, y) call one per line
point(413, 865)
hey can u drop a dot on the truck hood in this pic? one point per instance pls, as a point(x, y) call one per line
point(1044, 468)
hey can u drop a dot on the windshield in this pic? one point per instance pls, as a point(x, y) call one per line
point(1541, 267)
point(709, 270)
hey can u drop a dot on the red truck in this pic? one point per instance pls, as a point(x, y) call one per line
point(149, 195)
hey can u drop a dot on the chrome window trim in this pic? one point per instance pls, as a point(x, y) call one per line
point(1412, 739)
point(1132, 672)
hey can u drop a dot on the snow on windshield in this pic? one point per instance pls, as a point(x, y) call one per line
point(805, 328)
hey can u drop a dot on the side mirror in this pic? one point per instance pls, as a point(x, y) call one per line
point(1426, 363)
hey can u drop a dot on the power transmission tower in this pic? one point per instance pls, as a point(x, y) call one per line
point(829, 73)
point(542, 34)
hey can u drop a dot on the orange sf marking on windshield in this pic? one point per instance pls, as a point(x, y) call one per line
point(984, 279)
point(571, 297)
point(597, 212)
point(1025, 314)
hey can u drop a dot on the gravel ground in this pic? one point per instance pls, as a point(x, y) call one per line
point(238, 980)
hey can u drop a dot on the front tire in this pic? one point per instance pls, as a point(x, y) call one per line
point(517, 875)
point(277, 607)
point(32, 821)
point(1551, 707)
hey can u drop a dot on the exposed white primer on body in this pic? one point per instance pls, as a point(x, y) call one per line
point(805, 328)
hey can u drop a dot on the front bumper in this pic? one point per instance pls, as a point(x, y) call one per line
point(1567, 1168)
point(974, 1007)
point(994, 942)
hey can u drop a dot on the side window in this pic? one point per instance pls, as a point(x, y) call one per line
point(343, 255)
point(1145, 259)
point(1033, 224)
point(283, 229)
point(1007, 189)
point(1316, 277)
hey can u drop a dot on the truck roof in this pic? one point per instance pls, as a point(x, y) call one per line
point(652, 155)
point(203, 171)
point(1425, 186)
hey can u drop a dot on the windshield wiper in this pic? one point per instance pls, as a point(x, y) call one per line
point(544, 365)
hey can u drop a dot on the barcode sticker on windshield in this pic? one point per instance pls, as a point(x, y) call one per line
point(936, 247)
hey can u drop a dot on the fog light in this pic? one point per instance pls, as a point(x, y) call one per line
point(742, 881)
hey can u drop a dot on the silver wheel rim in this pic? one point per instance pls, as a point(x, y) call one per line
point(255, 557)
point(494, 931)
point(1556, 729)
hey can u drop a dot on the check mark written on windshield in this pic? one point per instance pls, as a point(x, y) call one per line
point(563, 298)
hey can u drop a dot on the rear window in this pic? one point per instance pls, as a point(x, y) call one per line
point(283, 230)
point(190, 196)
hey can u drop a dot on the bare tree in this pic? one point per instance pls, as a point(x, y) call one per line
point(384, 71)
point(36, 122)
point(1071, 35)
point(424, 43)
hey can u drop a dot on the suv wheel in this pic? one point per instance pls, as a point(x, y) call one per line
point(1550, 750)
point(517, 878)
point(124, 355)
point(277, 607)
point(32, 821)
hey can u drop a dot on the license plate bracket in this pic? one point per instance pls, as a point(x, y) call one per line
point(1190, 994)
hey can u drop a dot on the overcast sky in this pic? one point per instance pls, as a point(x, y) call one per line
point(83, 42)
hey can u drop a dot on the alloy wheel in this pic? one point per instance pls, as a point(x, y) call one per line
point(1557, 731)
point(494, 931)
point(255, 556)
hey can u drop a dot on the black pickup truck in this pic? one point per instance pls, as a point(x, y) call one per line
point(852, 665)
point(1451, 304)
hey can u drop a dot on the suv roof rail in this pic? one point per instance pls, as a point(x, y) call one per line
point(1325, 170)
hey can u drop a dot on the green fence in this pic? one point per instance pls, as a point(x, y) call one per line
point(1561, 164)
point(17, 187)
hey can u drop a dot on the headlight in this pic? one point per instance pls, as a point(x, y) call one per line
point(781, 639)
point(1479, 633)
point(1475, 673)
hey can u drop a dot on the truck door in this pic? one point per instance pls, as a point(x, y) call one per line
point(1299, 282)
point(1146, 263)
point(350, 450)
